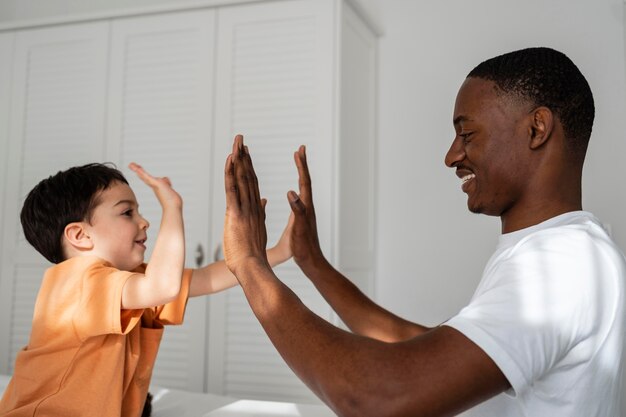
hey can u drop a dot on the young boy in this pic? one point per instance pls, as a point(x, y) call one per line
point(100, 311)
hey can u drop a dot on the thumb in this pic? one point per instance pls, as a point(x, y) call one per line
point(297, 206)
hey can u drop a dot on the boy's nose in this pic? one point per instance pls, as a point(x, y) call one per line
point(144, 223)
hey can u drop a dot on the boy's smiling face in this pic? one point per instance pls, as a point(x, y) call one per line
point(116, 229)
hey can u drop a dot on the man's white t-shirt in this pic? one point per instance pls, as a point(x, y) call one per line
point(549, 311)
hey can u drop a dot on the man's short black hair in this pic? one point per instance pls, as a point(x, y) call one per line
point(545, 77)
point(66, 197)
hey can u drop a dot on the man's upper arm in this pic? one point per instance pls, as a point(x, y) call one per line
point(443, 373)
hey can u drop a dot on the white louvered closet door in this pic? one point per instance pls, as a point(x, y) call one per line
point(160, 115)
point(274, 85)
point(6, 60)
point(57, 111)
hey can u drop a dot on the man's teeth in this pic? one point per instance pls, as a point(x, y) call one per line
point(467, 178)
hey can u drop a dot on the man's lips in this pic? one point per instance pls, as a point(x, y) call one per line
point(466, 176)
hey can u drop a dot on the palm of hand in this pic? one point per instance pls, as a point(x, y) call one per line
point(238, 244)
point(165, 193)
point(161, 186)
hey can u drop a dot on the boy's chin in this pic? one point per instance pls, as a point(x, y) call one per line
point(138, 267)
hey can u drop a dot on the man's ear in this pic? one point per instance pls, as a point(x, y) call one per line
point(541, 127)
point(76, 236)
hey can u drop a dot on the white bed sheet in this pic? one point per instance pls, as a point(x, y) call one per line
point(176, 403)
point(250, 408)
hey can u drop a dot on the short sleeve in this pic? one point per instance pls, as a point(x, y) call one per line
point(174, 311)
point(542, 302)
point(99, 311)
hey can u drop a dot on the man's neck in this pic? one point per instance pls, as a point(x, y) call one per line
point(531, 217)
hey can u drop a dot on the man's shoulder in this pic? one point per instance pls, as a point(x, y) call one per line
point(580, 231)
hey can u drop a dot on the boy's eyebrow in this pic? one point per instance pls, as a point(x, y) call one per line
point(131, 202)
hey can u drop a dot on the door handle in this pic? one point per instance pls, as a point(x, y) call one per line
point(199, 255)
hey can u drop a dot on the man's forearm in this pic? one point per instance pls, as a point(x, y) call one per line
point(304, 340)
point(355, 309)
point(343, 369)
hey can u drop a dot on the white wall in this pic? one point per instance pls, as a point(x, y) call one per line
point(431, 250)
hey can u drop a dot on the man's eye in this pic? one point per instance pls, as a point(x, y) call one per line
point(465, 136)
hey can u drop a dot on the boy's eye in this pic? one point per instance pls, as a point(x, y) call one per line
point(128, 212)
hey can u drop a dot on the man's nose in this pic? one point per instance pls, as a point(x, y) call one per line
point(455, 154)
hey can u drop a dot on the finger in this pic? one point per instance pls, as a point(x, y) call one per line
point(253, 181)
point(297, 206)
point(304, 178)
point(256, 204)
point(241, 168)
point(232, 197)
point(141, 173)
point(237, 144)
point(263, 236)
point(247, 181)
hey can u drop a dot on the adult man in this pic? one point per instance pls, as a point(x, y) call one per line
point(543, 334)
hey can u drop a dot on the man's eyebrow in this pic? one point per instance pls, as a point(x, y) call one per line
point(460, 119)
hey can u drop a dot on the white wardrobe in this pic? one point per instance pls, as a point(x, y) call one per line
point(169, 89)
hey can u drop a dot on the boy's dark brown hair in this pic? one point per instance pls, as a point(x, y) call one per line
point(66, 197)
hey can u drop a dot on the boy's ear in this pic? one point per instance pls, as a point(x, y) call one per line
point(76, 236)
point(541, 126)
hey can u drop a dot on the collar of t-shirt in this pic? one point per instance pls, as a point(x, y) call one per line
point(573, 217)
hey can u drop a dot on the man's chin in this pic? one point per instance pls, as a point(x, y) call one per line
point(479, 209)
point(474, 208)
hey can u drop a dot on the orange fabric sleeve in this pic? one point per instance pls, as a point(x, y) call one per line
point(99, 310)
point(174, 312)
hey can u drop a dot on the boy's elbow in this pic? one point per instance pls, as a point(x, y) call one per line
point(173, 293)
point(170, 293)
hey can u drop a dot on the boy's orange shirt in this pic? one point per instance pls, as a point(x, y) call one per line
point(86, 356)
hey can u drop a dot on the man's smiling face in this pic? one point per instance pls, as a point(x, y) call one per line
point(490, 148)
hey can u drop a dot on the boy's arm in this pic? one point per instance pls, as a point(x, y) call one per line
point(216, 276)
point(162, 280)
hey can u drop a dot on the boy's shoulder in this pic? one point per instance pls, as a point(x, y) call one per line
point(81, 281)
point(80, 269)
point(80, 264)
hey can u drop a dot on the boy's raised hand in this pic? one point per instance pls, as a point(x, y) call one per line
point(162, 187)
point(282, 250)
point(165, 270)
